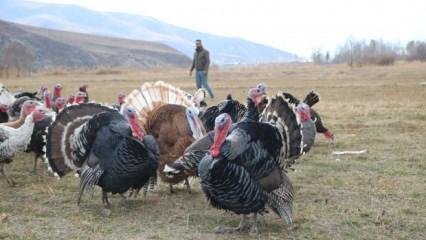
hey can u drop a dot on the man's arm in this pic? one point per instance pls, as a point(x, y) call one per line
point(206, 67)
point(192, 65)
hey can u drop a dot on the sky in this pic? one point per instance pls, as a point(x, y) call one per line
point(295, 26)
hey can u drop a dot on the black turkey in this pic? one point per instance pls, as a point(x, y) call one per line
point(15, 108)
point(189, 161)
point(98, 141)
point(37, 143)
point(31, 95)
point(244, 171)
point(234, 108)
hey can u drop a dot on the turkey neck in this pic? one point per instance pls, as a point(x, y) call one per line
point(252, 113)
point(23, 134)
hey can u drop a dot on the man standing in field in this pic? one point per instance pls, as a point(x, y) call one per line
point(201, 64)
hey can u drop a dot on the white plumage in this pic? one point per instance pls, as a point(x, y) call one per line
point(14, 140)
point(5, 96)
point(151, 95)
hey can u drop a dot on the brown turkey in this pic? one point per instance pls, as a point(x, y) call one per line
point(170, 115)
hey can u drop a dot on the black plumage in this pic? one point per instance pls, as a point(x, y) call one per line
point(244, 171)
point(31, 95)
point(233, 107)
point(230, 186)
point(311, 99)
point(15, 109)
point(4, 117)
point(101, 146)
point(37, 143)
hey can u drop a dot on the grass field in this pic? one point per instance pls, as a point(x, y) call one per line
point(378, 195)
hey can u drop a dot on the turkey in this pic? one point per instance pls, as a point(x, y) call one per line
point(59, 105)
point(30, 95)
point(15, 108)
point(81, 97)
point(311, 99)
point(27, 107)
point(83, 88)
point(4, 113)
point(14, 140)
point(170, 116)
point(37, 142)
point(308, 126)
point(6, 97)
point(234, 108)
point(70, 100)
point(57, 92)
point(21, 97)
point(121, 99)
point(98, 141)
point(244, 171)
point(192, 156)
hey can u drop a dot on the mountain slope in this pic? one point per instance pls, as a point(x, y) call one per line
point(52, 49)
point(223, 50)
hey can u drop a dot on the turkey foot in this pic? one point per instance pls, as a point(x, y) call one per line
point(171, 188)
point(8, 180)
point(123, 197)
point(242, 227)
point(34, 171)
point(134, 192)
point(253, 228)
point(107, 206)
point(188, 187)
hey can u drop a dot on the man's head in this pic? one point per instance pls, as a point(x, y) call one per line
point(198, 43)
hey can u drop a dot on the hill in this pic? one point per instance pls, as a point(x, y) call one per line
point(48, 49)
point(224, 50)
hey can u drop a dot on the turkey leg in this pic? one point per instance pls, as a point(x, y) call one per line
point(188, 187)
point(8, 180)
point(243, 226)
point(105, 201)
point(253, 229)
point(35, 164)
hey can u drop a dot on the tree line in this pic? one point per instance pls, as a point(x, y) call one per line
point(374, 52)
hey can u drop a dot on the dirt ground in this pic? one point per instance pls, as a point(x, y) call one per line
point(377, 195)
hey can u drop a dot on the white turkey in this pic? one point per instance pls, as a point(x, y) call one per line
point(14, 140)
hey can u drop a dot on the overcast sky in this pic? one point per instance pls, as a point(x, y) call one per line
point(295, 26)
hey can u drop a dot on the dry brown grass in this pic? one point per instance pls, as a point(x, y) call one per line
point(379, 195)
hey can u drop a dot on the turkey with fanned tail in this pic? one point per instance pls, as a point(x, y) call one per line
point(244, 171)
point(104, 146)
point(170, 115)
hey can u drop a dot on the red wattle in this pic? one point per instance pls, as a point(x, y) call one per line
point(57, 92)
point(328, 134)
point(215, 151)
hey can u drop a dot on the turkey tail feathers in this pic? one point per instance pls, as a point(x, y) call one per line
point(154, 94)
point(59, 152)
point(281, 112)
point(312, 98)
point(281, 200)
